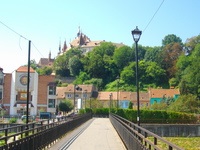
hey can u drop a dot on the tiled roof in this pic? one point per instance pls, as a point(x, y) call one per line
point(92, 44)
point(143, 96)
point(25, 69)
point(159, 93)
point(60, 92)
point(46, 62)
point(85, 87)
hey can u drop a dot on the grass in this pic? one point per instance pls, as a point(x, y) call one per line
point(187, 143)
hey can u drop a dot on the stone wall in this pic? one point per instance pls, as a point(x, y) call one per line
point(173, 130)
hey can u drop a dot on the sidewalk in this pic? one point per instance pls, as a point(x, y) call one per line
point(100, 135)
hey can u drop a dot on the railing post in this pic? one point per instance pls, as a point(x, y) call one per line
point(6, 134)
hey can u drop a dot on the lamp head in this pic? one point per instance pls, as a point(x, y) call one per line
point(136, 33)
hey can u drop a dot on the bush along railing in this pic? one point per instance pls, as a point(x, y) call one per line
point(152, 116)
point(39, 134)
point(136, 137)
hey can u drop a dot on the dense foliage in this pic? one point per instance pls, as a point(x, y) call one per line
point(174, 64)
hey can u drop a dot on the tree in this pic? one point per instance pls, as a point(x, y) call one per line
point(128, 74)
point(171, 39)
point(33, 64)
point(99, 63)
point(122, 56)
point(45, 70)
point(154, 74)
point(60, 66)
point(75, 65)
point(170, 55)
point(190, 77)
point(191, 43)
point(130, 105)
point(185, 103)
point(153, 54)
point(81, 78)
point(65, 106)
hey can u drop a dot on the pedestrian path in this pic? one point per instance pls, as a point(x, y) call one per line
point(99, 135)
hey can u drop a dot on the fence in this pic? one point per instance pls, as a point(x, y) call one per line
point(136, 137)
point(39, 135)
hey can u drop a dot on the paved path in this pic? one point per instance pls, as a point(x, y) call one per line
point(99, 135)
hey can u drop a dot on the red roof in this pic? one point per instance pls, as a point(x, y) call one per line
point(25, 69)
point(159, 93)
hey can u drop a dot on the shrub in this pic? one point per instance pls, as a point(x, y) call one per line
point(13, 120)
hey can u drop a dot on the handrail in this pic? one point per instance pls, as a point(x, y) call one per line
point(40, 133)
point(140, 134)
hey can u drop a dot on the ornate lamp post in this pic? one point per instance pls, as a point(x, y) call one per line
point(117, 91)
point(110, 96)
point(136, 33)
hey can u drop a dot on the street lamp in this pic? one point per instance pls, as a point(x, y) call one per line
point(117, 92)
point(85, 97)
point(136, 33)
point(76, 87)
point(110, 95)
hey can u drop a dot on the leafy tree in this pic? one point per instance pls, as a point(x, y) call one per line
point(81, 78)
point(95, 81)
point(185, 103)
point(153, 54)
point(45, 70)
point(190, 79)
point(159, 106)
point(191, 43)
point(154, 74)
point(171, 39)
point(128, 74)
point(99, 63)
point(122, 56)
point(65, 106)
point(73, 52)
point(61, 66)
point(170, 55)
point(173, 82)
point(75, 65)
point(33, 64)
point(130, 105)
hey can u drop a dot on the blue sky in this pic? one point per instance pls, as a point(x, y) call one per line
point(47, 22)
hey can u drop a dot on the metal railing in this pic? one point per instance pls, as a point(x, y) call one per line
point(138, 138)
point(39, 135)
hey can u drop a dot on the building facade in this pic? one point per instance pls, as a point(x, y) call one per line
point(42, 94)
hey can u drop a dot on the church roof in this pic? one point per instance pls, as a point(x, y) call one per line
point(45, 62)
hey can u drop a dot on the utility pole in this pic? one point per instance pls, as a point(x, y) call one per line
point(28, 81)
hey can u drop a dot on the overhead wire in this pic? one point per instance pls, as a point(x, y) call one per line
point(153, 16)
point(21, 36)
point(13, 30)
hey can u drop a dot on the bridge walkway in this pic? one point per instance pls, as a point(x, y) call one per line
point(95, 134)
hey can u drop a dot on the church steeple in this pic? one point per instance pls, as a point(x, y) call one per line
point(59, 47)
point(49, 55)
point(64, 47)
point(79, 32)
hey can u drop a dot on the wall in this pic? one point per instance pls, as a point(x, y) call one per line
point(173, 130)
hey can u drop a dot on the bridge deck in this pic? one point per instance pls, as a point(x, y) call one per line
point(96, 134)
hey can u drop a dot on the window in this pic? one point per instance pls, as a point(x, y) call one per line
point(52, 90)
point(1, 94)
point(1, 78)
point(126, 104)
point(69, 95)
point(51, 103)
point(85, 95)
